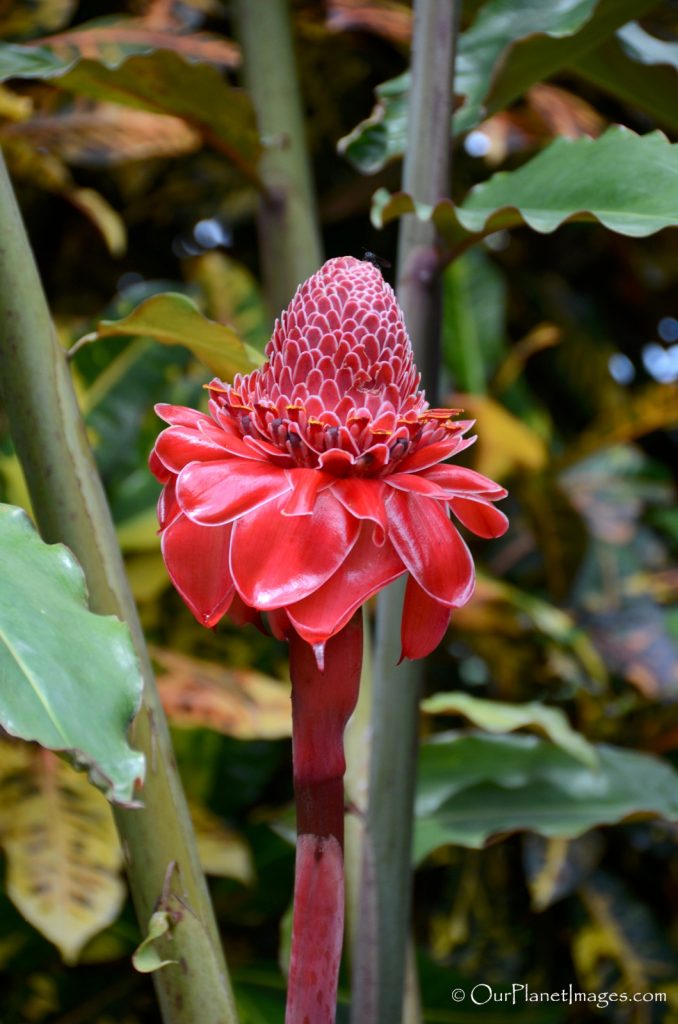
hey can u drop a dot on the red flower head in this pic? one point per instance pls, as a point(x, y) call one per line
point(318, 479)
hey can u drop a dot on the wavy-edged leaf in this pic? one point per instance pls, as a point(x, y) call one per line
point(173, 319)
point(63, 856)
point(241, 703)
point(69, 678)
point(474, 787)
point(627, 182)
point(499, 717)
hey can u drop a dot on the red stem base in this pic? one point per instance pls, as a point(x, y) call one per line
point(322, 703)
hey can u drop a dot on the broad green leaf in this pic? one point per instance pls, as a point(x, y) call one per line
point(498, 26)
point(627, 182)
point(498, 717)
point(510, 46)
point(30, 62)
point(173, 319)
point(63, 856)
point(161, 82)
point(70, 679)
point(473, 787)
point(534, 59)
point(638, 69)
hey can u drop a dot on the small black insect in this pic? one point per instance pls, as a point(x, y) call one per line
point(377, 261)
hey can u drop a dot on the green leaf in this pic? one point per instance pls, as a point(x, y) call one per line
point(499, 25)
point(474, 312)
point(646, 49)
point(31, 62)
point(70, 679)
point(511, 45)
point(627, 182)
point(173, 319)
point(638, 69)
point(497, 717)
point(536, 58)
point(161, 82)
point(473, 787)
point(146, 957)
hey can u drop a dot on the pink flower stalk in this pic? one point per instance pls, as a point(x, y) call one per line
point(318, 479)
point(313, 483)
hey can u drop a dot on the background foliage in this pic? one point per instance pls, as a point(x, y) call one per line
point(544, 855)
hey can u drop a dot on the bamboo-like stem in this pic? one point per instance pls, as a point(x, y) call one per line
point(380, 955)
point(289, 236)
point(322, 702)
point(71, 507)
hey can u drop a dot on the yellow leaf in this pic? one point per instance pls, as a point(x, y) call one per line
point(63, 856)
point(241, 703)
point(222, 852)
point(505, 444)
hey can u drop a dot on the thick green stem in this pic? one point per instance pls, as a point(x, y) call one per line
point(322, 702)
point(382, 940)
point(71, 507)
point(289, 236)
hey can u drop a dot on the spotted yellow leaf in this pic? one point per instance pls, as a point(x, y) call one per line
point(63, 856)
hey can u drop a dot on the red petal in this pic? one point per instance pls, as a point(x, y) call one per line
point(305, 483)
point(425, 622)
point(457, 480)
point(276, 559)
point(432, 454)
point(197, 561)
point(214, 493)
point(229, 440)
point(480, 517)
point(242, 615)
point(168, 508)
point(279, 622)
point(178, 414)
point(416, 483)
point(367, 569)
point(159, 471)
point(430, 547)
point(364, 499)
point(177, 446)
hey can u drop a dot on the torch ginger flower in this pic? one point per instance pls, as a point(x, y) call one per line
point(318, 479)
point(312, 483)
